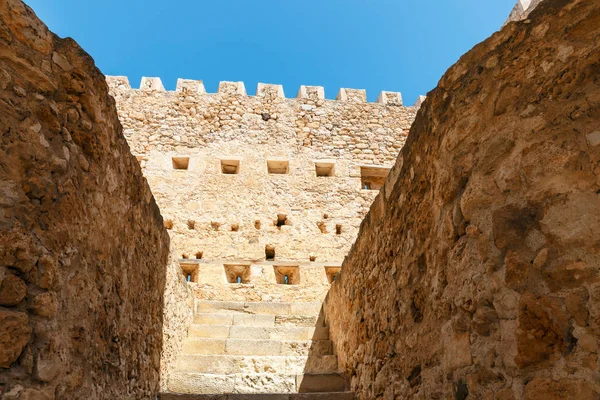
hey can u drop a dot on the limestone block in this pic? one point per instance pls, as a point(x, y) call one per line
point(204, 346)
point(254, 320)
point(209, 331)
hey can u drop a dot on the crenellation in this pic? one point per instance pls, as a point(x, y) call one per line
point(311, 92)
point(190, 86)
point(420, 101)
point(264, 91)
point(118, 82)
point(232, 88)
point(352, 95)
point(391, 98)
point(152, 84)
point(270, 91)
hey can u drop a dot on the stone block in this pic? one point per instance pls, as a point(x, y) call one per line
point(254, 320)
point(204, 346)
point(209, 331)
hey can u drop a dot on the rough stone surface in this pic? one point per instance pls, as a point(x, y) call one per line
point(475, 273)
point(276, 199)
point(178, 313)
point(83, 249)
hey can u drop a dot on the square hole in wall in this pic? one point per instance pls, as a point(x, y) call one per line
point(324, 168)
point(332, 273)
point(180, 162)
point(285, 275)
point(237, 273)
point(281, 220)
point(269, 253)
point(278, 167)
point(230, 167)
point(373, 178)
point(190, 272)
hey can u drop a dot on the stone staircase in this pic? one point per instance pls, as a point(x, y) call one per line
point(257, 350)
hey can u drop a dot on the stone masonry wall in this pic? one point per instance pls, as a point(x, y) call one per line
point(178, 313)
point(83, 250)
point(217, 219)
point(475, 273)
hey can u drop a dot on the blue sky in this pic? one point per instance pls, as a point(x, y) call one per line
point(394, 45)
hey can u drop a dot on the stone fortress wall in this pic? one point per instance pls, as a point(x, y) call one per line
point(475, 273)
point(84, 255)
point(237, 175)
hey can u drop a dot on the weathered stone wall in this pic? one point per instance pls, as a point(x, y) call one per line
point(231, 218)
point(178, 313)
point(475, 273)
point(83, 250)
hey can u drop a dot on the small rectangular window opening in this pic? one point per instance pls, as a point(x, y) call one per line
point(180, 162)
point(322, 226)
point(237, 273)
point(324, 168)
point(281, 220)
point(338, 229)
point(278, 167)
point(285, 275)
point(190, 272)
point(373, 178)
point(230, 167)
point(332, 273)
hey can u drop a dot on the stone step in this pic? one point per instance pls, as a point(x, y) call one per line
point(198, 383)
point(287, 365)
point(250, 347)
point(258, 320)
point(259, 332)
point(261, 396)
point(264, 308)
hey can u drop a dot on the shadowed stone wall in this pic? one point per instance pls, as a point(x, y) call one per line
point(83, 250)
point(475, 273)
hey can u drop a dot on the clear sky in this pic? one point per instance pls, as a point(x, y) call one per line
point(395, 45)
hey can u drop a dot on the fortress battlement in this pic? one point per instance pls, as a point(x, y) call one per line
point(264, 90)
point(243, 180)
